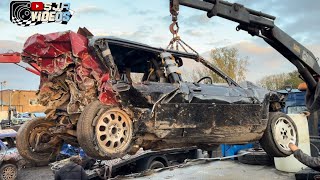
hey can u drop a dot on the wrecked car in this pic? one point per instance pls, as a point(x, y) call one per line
point(23, 117)
point(92, 101)
point(10, 159)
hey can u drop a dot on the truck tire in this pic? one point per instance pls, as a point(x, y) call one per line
point(256, 156)
point(8, 172)
point(279, 132)
point(104, 132)
point(151, 162)
point(156, 165)
point(25, 144)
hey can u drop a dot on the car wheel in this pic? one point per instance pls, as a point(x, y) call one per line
point(255, 156)
point(104, 132)
point(8, 172)
point(156, 165)
point(279, 132)
point(32, 134)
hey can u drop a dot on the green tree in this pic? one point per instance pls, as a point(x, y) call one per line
point(280, 81)
point(293, 79)
point(228, 61)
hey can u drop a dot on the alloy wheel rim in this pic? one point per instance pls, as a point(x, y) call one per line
point(114, 131)
point(284, 133)
point(9, 173)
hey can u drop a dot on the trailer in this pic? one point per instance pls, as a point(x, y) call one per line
point(139, 162)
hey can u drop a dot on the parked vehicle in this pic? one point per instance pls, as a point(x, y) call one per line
point(10, 159)
point(23, 117)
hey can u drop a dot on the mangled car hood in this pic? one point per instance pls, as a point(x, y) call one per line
point(70, 77)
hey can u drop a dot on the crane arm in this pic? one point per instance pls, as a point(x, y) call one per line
point(10, 57)
point(260, 24)
point(15, 58)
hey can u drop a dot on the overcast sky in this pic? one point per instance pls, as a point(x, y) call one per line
point(147, 21)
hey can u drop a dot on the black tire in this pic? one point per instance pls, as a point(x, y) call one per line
point(8, 172)
point(23, 145)
point(256, 156)
point(268, 142)
point(87, 136)
point(156, 165)
point(151, 162)
point(85, 129)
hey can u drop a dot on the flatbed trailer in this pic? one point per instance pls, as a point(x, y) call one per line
point(136, 163)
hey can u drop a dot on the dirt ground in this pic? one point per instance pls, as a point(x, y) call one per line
point(214, 170)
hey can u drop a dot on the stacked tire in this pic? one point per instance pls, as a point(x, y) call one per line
point(255, 156)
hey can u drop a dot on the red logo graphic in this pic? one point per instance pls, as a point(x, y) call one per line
point(37, 6)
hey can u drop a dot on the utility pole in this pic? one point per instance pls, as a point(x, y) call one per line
point(3, 83)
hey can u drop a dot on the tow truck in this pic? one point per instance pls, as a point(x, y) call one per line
point(116, 88)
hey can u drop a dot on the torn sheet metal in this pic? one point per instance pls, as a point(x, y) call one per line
point(70, 77)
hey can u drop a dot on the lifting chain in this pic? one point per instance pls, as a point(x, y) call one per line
point(176, 41)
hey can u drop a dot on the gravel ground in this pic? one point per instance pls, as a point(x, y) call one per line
point(221, 170)
point(36, 173)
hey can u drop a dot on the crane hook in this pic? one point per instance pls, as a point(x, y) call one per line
point(174, 27)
